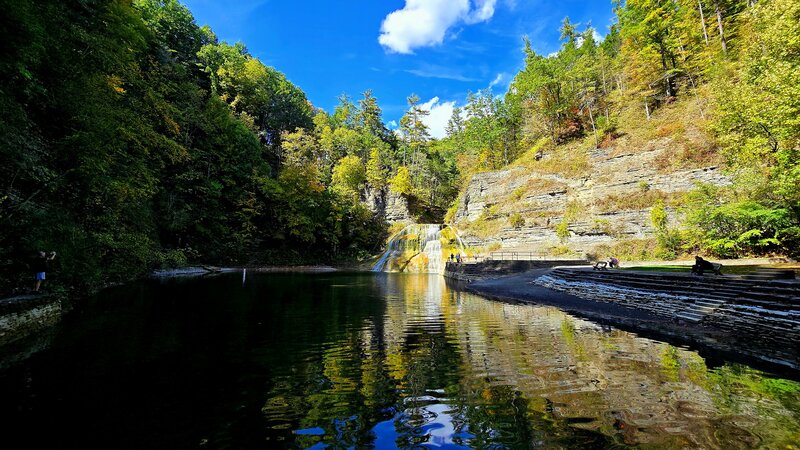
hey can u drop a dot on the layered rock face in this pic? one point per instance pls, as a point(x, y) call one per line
point(519, 208)
point(389, 205)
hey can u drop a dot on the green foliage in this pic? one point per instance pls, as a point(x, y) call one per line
point(669, 240)
point(376, 173)
point(562, 230)
point(731, 227)
point(658, 216)
point(401, 182)
point(349, 177)
point(516, 220)
point(260, 95)
point(159, 146)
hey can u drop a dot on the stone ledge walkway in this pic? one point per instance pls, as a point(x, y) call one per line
point(756, 328)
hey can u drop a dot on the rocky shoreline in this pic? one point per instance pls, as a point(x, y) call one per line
point(25, 315)
point(713, 342)
point(200, 271)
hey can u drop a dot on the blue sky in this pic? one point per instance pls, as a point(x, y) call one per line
point(438, 49)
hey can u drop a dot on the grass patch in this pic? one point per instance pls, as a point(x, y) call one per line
point(625, 249)
point(483, 227)
point(605, 226)
point(536, 186)
point(569, 160)
point(560, 250)
point(679, 127)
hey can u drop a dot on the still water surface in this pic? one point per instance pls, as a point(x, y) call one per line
point(371, 361)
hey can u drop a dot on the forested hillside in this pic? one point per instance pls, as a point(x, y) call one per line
point(719, 79)
point(131, 138)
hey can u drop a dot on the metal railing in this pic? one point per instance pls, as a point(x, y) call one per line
point(513, 256)
point(528, 256)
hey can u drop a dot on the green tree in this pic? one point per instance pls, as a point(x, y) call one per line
point(376, 172)
point(349, 177)
point(401, 182)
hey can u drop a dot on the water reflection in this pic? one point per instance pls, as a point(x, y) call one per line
point(383, 361)
point(446, 369)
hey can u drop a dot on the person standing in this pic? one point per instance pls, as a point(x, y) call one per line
point(40, 267)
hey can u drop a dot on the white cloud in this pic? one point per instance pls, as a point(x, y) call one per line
point(598, 39)
point(500, 78)
point(484, 10)
point(440, 113)
point(392, 124)
point(434, 71)
point(424, 23)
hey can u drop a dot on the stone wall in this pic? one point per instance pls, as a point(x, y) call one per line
point(544, 199)
point(25, 315)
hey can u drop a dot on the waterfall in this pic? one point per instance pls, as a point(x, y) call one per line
point(433, 249)
point(378, 267)
point(419, 248)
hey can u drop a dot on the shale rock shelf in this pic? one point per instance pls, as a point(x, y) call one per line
point(765, 311)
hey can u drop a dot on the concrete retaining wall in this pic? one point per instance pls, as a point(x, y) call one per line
point(497, 268)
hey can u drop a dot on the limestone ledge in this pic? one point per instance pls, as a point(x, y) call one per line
point(543, 200)
point(775, 325)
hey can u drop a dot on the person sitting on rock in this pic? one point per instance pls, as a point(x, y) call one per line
point(701, 265)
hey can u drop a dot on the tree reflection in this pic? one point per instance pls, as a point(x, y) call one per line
point(434, 366)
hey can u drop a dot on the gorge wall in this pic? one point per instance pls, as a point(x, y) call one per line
point(609, 201)
point(389, 205)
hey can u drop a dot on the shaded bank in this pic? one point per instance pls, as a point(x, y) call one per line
point(745, 347)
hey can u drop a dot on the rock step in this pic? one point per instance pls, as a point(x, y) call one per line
point(769, 316)
point(770, 274)
point(690, 316)
point(777, 297)
point(680, 276)
point(782, 288)
point(690, 291)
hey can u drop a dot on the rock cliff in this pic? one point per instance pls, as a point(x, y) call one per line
point(389, 205)
point(520, 208)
